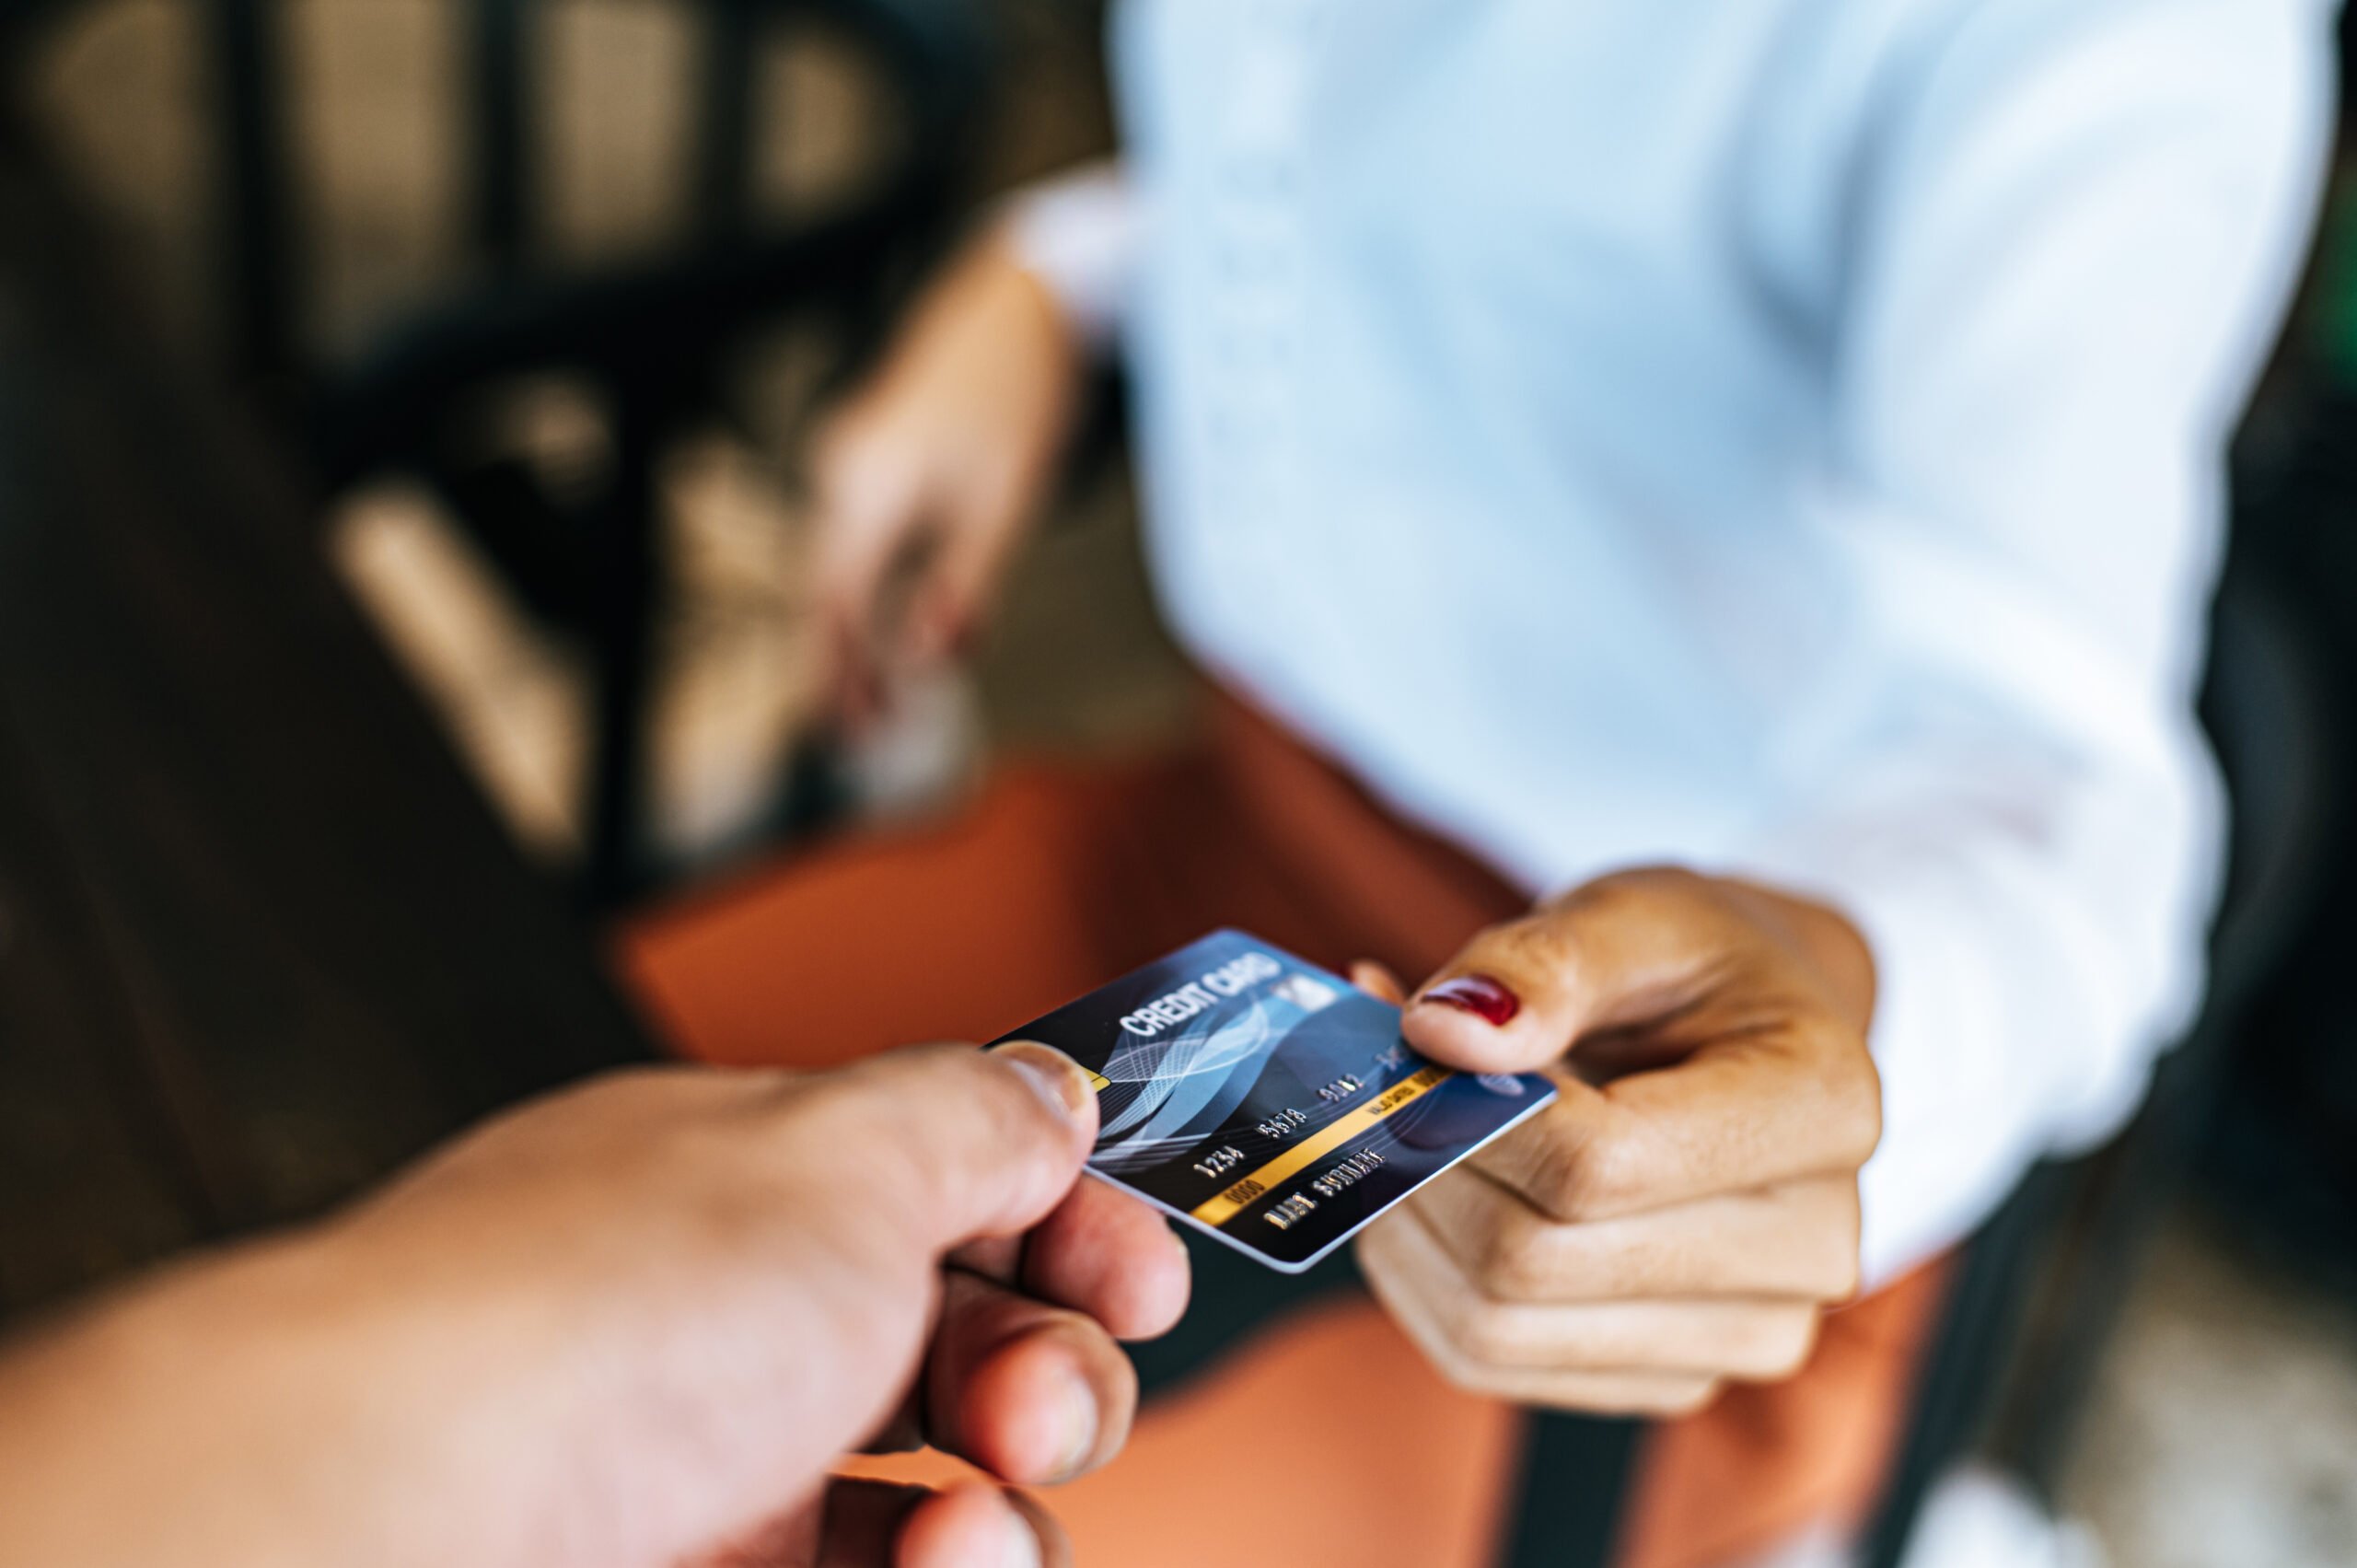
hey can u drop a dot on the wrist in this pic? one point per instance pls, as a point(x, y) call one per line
point(1078, 237)
point(271, 1405)
point(1064, 328)
point(169, 1390)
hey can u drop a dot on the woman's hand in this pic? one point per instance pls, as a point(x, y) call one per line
point(631, 1324)
point(1687, 1208)
point(928, 476)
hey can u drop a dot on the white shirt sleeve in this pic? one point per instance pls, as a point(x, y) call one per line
point(1078, 233)
point(2074, 241)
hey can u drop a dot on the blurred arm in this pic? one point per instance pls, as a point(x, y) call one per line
point(2076, 239)
point(1079, 235)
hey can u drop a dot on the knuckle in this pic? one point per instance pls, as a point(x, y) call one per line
point(1509, 1256)
point(1869, 1115)
point(1467, 1379)
point(1565, 1166)
point(1844, 1268)
point(1776, 1344)
point(1663, 880)
point(1848, 1089)
point(823, 1099)
point(1638, 889)
point(1843, 1274)
point(993, 1109)
point(1687, 1399)
point(1602, 1175)
point(1557, 1177)
point(1484, 1334)
point(1452, 1311)
point(1859, 1099)
point(1800, 1343)
point(1651, 1397)
point(1437, 1340)
point(1532, 947)
point(909, 1069)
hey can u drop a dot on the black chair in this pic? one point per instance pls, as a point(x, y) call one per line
point(650, 341)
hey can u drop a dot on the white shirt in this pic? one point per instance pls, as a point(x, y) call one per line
point(1782, 437)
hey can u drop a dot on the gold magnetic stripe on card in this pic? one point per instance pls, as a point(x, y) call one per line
point(1325, 1141)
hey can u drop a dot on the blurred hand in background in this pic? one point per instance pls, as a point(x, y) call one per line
point(632, 1324)
point(927, 477)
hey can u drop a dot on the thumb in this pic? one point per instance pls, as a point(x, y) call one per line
point(983, 1144)
point(1619, 951)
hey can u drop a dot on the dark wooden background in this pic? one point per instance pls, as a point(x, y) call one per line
point(260, 940)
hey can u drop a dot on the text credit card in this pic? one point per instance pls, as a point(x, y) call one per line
point(1264, 1100)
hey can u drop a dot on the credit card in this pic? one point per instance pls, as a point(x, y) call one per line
point(1268, 1102)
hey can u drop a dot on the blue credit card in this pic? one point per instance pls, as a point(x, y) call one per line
point(1268, 1102)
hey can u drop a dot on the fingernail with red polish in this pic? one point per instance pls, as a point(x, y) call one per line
point(1477, 994)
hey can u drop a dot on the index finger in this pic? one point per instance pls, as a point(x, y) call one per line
point(1102, 1252)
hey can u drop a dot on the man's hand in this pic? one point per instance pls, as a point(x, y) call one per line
point(927, 477)
point(1688, 1207)
point(631, 1324)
